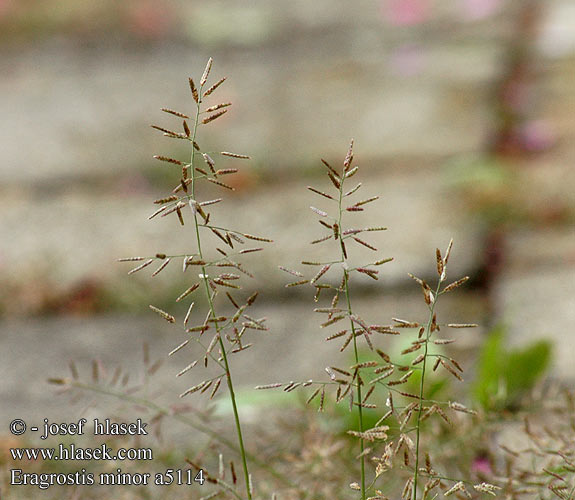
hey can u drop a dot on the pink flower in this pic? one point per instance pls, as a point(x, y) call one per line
point(481, 466)
point(536, 136)
point(5, 7)
point(479, 9)
point(405, 12)
point(149, 19)
point(407, 60)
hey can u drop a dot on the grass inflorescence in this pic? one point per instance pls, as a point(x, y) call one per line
point(399, 442)
point(217, 269)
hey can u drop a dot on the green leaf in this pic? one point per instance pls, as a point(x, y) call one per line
point(503, 376)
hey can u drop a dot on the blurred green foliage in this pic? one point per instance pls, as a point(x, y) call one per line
point(505, 375)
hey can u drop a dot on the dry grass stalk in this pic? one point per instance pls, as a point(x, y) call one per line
point(228, 329)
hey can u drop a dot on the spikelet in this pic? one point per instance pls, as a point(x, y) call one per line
point(217, 106)
point(321, 193)
point(141, 266)
point(214, 87)
point(163, 314)
point(194, 90)
point(206, 72)
point(187, 292)
point(455, 284)
point(162, 267)
point(353, 190)
point(168, 159)
point(348, 157)
point(215, 116)
point(175, 113)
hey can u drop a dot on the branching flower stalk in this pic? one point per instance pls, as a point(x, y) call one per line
point(348, 382)
point(207, 283)
point(228, 330)
point(430, 299)
point(452, 366)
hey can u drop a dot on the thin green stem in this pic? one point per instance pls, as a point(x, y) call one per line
point(198, 426)
point(355, 349)
point(422, 387)
point(213, 313)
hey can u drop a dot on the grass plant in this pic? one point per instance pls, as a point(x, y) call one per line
point(398, 425)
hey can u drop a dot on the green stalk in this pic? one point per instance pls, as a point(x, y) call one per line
point(421, 388)
point(212, 310)
point(198, 426)
point(355, 351)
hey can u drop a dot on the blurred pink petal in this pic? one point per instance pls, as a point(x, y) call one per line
point(407, 60)
point(479, 9)
point(149, 19)
point(482, 466)
point(5, 6)
point(536, 136)
point(405, 12)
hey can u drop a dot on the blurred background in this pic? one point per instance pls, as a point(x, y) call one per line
point(463, 114)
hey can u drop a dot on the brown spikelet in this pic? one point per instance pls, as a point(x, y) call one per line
point(220, 183)
point(159, 201)
point(194, 90)
point(405, 324)
point(168, 160)
point(348, 157)
point(215, 388)
point(206, 72)
point(365, 202)
point(321, 272)
point(321, 399)
point(364, 243)
point(461, 408)
point(186, 128)
point(346, 342)
point(450, 370)
point(213, 117)
point(157, 212)
point(352, 172)
point(195, 388)
point(372, 273)
point(161, 268)
point(187, 292)
point(256, 238)
point(334, 181)
point(382, 261)
point(321, 193)
point(332, 171)
point(455, 284)
point(180, 216)
point(440, 263)
point(343, 248)
point(217, 106)
point(163, 314)
point(209, 162)
point(141, 266)
point(166, 131)
point(353, 190)
point(448, 251)
point(226, 171)
point(321, 240)
point(175, 113)
point(214, 87)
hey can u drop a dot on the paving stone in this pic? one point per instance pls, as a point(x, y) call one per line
point(74, 237)
point(293, 349)
point(536, 293)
